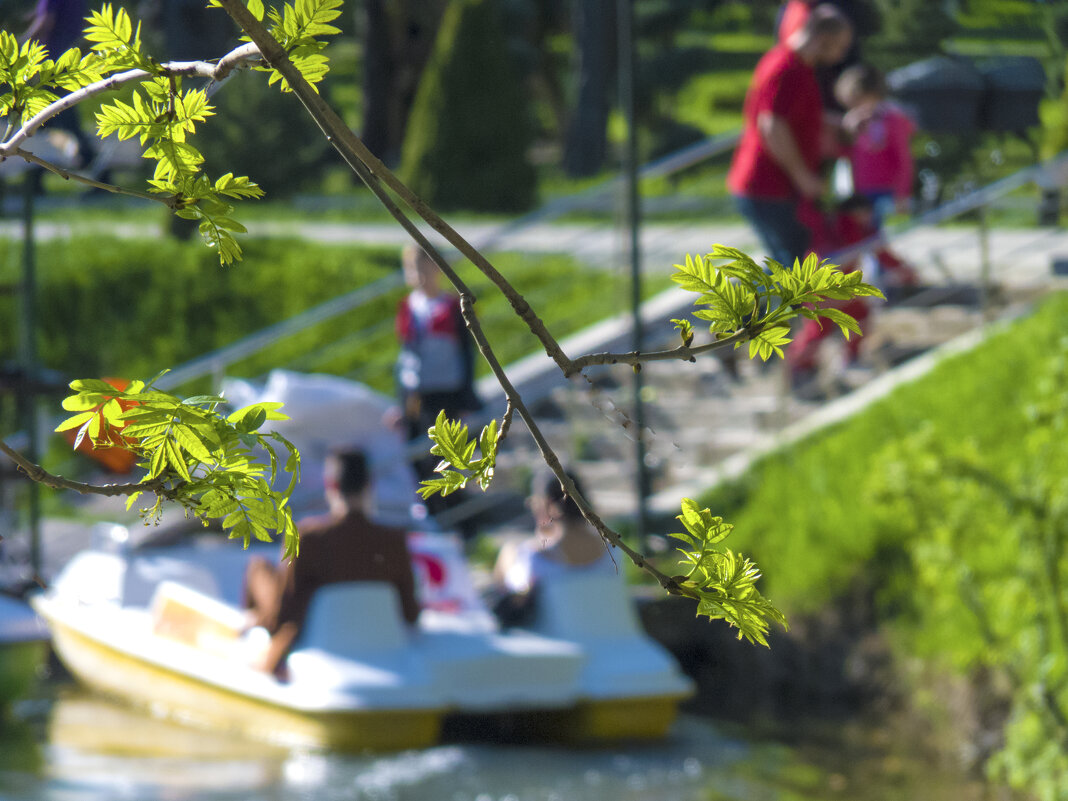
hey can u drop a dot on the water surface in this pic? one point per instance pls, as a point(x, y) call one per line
point(72, 746)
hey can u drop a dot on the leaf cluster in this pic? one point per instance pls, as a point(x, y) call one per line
point(459, 463)
point(30, 81)
point(160, 113)
point(163, 116)
point(739, 295)
point(216, 467)
point(297, 28)
point(723, 582)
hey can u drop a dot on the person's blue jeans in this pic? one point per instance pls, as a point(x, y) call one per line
point(775, 221)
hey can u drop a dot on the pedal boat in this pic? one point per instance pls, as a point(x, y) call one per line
point(153, 629)
point(23, 646)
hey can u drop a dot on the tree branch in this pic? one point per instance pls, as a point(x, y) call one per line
point(67, 175)
point(353, 150)
point(373, 173)
point(227, 64)
point(37, 473)
point(684, 352)
point(515, 401)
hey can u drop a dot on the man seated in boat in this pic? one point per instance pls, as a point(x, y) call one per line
point(565, 544)
point(343, 546)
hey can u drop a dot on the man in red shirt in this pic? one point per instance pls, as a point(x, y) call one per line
point(777, 160)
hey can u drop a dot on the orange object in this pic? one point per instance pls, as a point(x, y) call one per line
point(115, 458)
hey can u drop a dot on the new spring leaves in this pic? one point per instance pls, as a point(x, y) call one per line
point(160, 112)
point(740, 296)
point(216, 467)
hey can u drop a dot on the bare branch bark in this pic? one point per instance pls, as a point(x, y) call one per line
point(633, 358)
point(67, 175)
point(206, 69)
point(515, 401)
point(37, 473)
point(353, 150)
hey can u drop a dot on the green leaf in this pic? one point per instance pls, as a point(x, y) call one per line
point(191, 443)
point(770, 342)
point(93, 385)
point(844, 321)
point(685, 329)
point(74, 422)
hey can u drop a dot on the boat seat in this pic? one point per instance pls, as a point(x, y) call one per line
point(581, 608)
point(185, 614)
point(621, 660)
point(350, 619)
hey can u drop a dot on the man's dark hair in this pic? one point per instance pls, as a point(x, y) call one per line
point(349, 472)
point(826, 20)
point(548, 486)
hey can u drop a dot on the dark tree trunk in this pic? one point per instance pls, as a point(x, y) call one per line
point(586, 142)
point(377, 73)
point(397, 38)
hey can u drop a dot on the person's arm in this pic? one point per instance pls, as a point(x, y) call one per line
point(287, 625)
point(778, 137)
point(404, 580)
point(505, 558)
point(898, 137)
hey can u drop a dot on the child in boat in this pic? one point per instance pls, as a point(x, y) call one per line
point(565, 544)
point(343, 546)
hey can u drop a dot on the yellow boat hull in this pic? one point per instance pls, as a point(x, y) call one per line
point(606, 720)
point(172, 694)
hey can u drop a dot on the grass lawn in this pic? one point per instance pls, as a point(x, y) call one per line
point(804, 513)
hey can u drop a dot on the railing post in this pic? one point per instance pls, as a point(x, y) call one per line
point(984, 262)
point(627, 57)
point(30, 379)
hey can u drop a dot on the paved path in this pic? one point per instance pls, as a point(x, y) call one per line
point(1018, 256)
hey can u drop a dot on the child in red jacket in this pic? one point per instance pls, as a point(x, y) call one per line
point(879, 152)
point(851, 223)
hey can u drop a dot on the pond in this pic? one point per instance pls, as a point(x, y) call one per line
point(68, 745)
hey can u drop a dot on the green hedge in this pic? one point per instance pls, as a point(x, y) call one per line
point(797, 510)
point(133, 307)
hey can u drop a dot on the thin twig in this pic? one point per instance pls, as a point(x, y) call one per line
point(370, 169)
point(506, 421)
point(67, 175)
point(413, 231)
point(37, 473)
point(683, 352)
point(515, 401)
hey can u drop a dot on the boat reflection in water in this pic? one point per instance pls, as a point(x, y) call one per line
point(93, 749)
point(99, 748)
point(103, 749)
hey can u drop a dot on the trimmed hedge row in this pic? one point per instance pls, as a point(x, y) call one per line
point(132, 307)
